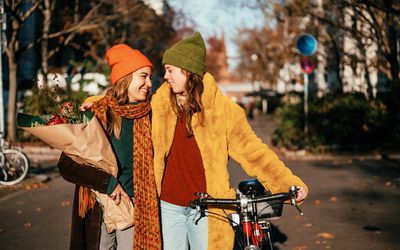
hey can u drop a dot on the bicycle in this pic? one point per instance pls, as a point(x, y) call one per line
point(256, 207)
point(14, 164)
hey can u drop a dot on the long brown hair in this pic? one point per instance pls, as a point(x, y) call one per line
point(194, 87)
point(120, 93)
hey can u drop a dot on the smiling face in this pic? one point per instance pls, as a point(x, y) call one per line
point(140, 86)
point(176, 78)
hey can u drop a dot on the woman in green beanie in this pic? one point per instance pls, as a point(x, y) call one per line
point(196, 129)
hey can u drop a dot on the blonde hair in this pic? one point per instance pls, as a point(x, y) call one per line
point(194, 87)
point(120, 93)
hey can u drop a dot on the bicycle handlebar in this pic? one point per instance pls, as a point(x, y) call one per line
point(204, 200)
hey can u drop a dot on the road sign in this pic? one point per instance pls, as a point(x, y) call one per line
point(306, 44)
point(307, 65)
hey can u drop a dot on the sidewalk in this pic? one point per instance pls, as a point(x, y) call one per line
point(39, 155)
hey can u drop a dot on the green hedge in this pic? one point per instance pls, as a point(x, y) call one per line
point(336, 121)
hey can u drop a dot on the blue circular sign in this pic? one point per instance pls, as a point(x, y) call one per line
point(306, 44)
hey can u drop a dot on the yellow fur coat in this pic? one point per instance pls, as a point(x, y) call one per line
point(226, 134)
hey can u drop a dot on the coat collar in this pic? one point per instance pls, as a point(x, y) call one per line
point(211, 90)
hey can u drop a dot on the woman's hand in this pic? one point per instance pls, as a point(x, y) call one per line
point(85, 106)
point(301, 193)
point(118, 194)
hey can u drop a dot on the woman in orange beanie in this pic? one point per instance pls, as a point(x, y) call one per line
point(125, 114)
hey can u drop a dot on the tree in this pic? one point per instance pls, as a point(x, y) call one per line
point(19, 11)
point(217, 59)
point(264, 51)
point(64, 31)
point(89, 28)
point(365, 23)
point(335, 23)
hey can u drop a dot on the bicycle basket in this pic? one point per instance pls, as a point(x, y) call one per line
point(265, 210)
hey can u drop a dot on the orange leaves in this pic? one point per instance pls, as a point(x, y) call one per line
point(65, 203)
point(300, 247)
point(326, 235)
point(35, 185)
point(331, 199)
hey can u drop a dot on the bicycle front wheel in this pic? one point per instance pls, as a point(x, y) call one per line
point(14, 168)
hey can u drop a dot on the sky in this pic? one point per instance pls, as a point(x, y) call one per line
point(212, 17)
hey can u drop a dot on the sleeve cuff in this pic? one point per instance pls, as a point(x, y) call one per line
point(112, 183)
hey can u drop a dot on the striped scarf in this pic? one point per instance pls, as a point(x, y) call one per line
point(147, 233)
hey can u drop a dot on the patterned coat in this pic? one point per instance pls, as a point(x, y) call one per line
point(226, 134)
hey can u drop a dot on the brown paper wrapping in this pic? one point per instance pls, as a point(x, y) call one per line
point(88, 144)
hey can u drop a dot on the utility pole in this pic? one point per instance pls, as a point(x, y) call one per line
point(3, 24)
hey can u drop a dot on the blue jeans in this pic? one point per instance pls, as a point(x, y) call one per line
point(179, 230)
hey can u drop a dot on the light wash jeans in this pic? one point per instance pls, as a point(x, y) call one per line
point(119, 239)
point(179, 231)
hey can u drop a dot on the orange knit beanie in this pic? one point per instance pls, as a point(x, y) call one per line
point(124, 60)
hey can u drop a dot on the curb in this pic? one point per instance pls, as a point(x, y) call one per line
point(304, 155)
point(37, 154)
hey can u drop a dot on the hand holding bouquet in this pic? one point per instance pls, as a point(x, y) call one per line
point(80, 136)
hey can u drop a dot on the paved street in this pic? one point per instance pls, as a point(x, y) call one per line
point(353, 204)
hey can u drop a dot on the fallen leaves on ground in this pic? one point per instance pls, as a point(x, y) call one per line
point(65, 203)
point(317, 202)
point(35, 185)
point(333, 199)
point(326, 235)
point(28, 225)
point(300, 247)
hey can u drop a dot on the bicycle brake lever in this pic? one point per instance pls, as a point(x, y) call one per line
point(195, 215)
point(293, 200)
point(298, 209)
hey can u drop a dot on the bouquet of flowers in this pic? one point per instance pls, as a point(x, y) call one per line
point(80, 135)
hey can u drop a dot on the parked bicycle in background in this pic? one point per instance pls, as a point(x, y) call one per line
point(14, 164)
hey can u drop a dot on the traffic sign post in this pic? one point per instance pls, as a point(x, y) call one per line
point(306, 44)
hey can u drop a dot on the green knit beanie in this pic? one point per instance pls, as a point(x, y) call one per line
point(188, 54)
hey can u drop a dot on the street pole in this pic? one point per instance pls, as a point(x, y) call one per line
point(2, 27)
point(305, 78)
point(307, 46)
